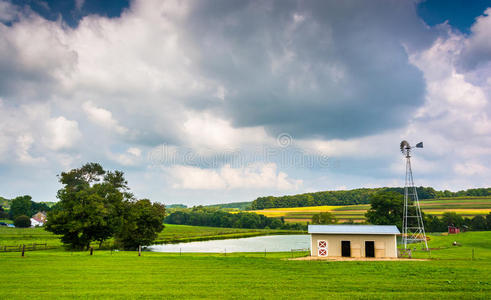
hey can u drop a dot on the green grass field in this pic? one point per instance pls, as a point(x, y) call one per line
point(171, 234)
point(464, 206)
point(451, 274)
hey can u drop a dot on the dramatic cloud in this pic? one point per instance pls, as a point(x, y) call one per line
point(223, 80)
point(309, 69)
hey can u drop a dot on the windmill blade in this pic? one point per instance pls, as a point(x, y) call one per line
point(419, 145)
point(404, 146)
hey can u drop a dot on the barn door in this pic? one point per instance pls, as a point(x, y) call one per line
point(369, 249)
point(322, 248)
point(346, 248)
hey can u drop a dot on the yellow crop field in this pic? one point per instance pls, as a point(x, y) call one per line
point(467, 207)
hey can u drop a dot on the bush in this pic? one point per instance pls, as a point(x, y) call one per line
point(22, 221)
point(3, 214)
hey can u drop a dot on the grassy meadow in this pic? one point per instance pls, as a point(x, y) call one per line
point(464, 206)
point(450, 274)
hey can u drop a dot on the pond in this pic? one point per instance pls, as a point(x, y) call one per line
point(270, 243)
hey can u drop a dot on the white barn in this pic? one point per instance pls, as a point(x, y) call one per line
point(353, 240)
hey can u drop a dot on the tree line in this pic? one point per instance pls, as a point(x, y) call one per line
point(22, 205)
point(355, 196)
point(21, 209)
point(205, 216)
point(477, 223)
point(386, 208)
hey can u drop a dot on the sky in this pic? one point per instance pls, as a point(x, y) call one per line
point(204, 102)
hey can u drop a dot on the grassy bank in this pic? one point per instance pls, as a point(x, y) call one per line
point(55, 274)
point(171, 234)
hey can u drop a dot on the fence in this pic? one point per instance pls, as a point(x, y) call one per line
point(302, 250)
point(28, 247)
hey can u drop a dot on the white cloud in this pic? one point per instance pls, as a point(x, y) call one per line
point(61, 133)
point(24, 144)
point(471, 168)
point(476, 51)
point(103, 118)
point(131, 158)
point(256, 176)
point(135, 151)
point(208, 131)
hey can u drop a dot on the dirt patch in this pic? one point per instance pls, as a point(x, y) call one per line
point(356, 258)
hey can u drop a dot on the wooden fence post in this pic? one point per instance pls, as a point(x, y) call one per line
point(91, 250)
point(23, 249)
point(139, 250)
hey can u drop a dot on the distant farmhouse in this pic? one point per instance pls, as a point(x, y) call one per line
point(353, 240)
point(39, 219)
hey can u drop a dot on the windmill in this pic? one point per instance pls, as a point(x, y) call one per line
point(413, 229)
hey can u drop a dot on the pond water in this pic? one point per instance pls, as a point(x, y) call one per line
point(270, 243)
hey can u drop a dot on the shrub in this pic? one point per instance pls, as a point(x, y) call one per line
point(3, 214)
point(22, 221)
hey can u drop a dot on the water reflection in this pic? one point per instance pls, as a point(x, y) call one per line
point(272, 243)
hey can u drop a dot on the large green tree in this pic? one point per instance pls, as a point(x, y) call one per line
point(386, 209)
point(142, 222)
point(20, 206)
point(90, 207)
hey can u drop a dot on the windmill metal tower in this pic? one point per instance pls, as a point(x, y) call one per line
point(413, 229)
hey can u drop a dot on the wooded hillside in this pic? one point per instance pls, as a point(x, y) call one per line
point(352, 197)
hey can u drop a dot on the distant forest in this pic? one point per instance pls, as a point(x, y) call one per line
point(356, 196)
point(214, 217)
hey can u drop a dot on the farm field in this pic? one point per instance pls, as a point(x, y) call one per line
point(464, 206)
point(51, 274)
point(171, 234)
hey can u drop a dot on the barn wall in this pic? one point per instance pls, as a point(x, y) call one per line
point(385, 245)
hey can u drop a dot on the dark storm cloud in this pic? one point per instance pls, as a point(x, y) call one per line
point(328, 68)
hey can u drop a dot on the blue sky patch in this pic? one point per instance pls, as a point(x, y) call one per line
point(460, 14)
